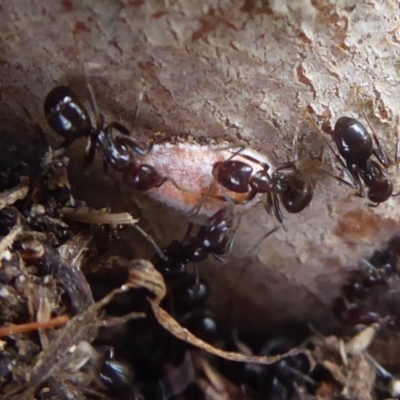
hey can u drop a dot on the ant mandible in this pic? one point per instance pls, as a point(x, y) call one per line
point(356, 146)
point(285, 186)
point(67, 116)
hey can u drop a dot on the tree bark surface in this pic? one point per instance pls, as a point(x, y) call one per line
point(236, 71)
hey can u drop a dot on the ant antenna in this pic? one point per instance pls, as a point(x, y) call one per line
point(151, 241)
point(380, 152)
point(139, 100)
point(382, 372)
point(269, 233)
point(93, 101)
point(195, 210)
point(296, 140)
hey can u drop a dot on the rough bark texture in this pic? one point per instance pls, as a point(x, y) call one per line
point(240, 71)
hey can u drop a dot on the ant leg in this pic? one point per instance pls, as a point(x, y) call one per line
point(286, 165)
point(252, 194)
point(92, 97)
point(93, 104)
point(295, 144)
point(90, 152)
point(189, 229)
point(61, 148)
point(383, 374)
point(219, 258)
point(37, 129)
point(338, 178)
point(271, 205)
point(265, 166)
point(195, 210)
point(129, 142)
point(167, 178)
point(232, 237)
point(358, 180)
point(337, 157)
point(268, 203)
point(278, 211)
point(240, 148)
point(379, 152)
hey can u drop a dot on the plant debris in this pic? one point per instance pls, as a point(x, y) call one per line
point(80, 320)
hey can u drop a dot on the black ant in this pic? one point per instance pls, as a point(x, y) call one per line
point(351, 307)
point(356, 146)
point(68, 117)
point(280, 380)
point(215, 238)
point(117, 375)
point(286, 185)
point(187, 292)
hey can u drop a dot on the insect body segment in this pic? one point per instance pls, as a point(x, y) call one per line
point(214, 238)
point(285, 185)
point(356, 146)
point(68, 117)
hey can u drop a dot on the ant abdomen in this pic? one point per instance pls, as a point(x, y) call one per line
point(380, 188)
point(296, 198)
point(66, 115)
point(380, 191)
point(352, 140)
point(142, 177)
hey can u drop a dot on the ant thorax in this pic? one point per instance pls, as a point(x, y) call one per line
point(191, 165)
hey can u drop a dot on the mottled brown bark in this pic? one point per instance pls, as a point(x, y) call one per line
point(241, 71)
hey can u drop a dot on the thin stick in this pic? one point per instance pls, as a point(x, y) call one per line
point(98, 217)
point(32, 326)
point(104, 218)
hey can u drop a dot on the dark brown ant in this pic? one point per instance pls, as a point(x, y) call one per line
point(356, 146)
point(68, 117)
point(280, 380)
point(214, 238)
point(187, 292)
point(286, 185)
point(351, 307)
